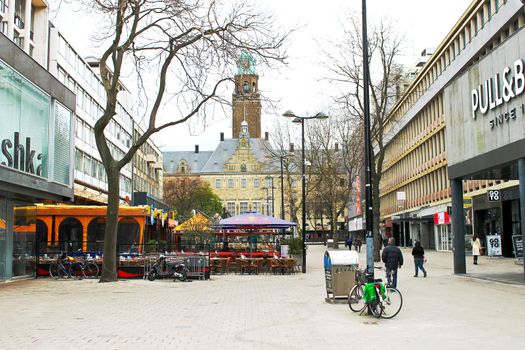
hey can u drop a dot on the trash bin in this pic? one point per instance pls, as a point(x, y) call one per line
point(339, 272)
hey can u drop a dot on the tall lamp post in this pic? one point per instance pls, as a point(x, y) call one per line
point(282, 156)
point(368, 153)
point(298, 119)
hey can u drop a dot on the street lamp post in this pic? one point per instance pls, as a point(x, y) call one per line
point(282, 187)
point(301, 120)
point(368, 153)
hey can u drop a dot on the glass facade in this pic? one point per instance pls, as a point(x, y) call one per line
point(36, 141)
point(24, 141)
point(25, 138)
point(17, 239)
point(3, 238)
point(24, 240)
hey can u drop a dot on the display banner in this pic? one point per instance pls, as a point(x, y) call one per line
point(494, 245)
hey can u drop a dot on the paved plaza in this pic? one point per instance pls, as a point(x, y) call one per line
point(231, 311)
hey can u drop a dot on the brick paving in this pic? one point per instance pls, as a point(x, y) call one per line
point(442, 311)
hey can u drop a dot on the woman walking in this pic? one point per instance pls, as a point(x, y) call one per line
point(476, 248)
point(419, 258)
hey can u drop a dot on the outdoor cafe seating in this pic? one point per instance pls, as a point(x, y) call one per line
point(241, 250)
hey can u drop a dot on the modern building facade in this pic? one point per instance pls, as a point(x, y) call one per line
point(422, 145)
point(36, 153)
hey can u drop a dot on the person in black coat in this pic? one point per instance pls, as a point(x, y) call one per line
point(419, 258)
point(393, 259)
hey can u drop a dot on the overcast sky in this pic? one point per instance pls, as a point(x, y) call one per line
point(300, 85)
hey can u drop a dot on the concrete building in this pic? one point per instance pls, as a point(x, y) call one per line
point(25, 22)
point(422, 148)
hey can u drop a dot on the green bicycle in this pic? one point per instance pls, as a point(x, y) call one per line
point(381, 300)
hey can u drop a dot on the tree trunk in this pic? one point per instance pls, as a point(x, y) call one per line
point(109, 263)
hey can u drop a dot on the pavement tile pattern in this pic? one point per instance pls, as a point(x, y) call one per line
point(442, 311)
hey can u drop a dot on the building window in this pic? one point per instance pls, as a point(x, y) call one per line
point(243, 183)
point(243, 166)
point(230, 183)
point(87, 164)
point(294, 183)
point(78, 160)
point(244, 207)
point(256, 207)
point(256, 183)
point(230, 206)
point(218, 183)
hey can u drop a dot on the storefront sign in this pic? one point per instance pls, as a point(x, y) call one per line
point(20, 156)
point(485, 106)
point(494, 245)
point(442, 218)
point(493, 195)
point(502, 88)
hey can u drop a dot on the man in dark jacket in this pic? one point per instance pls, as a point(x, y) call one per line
point(393, 259)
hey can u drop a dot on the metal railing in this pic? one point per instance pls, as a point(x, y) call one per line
point(132, 259)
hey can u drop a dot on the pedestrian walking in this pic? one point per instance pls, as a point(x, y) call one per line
point(349, 242)
point(476, 248)
point(419, 258)
point(393, 259)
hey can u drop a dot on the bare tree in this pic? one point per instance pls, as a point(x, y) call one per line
point(281, 138)
point(180, 53)
point(385, 74)
point(335, 154)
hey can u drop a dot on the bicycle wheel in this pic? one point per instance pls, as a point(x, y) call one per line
point(375, 308)
point(76, 271)
point(355, 299)
point(91, 270)
point(62, 271)
point(391, 306)
point(53, 271)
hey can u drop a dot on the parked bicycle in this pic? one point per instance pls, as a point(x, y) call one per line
point(68, 267)
point(380, 299)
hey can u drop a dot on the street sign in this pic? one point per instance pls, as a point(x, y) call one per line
point(494, 195)
point(467, 202)
point(494, 245)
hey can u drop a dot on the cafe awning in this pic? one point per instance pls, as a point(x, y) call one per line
point(198, 222)
point(252, 221)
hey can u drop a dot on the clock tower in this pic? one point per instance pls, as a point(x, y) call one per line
point(246, 100)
